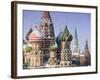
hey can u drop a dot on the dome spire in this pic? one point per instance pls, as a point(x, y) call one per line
point(46, 15)
point(66, 30)
point(75, 50)
point(86, 45)
point(75, 38)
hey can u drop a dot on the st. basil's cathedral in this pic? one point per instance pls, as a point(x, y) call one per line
point(42, 49)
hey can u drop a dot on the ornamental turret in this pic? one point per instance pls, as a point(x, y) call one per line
point(46, 25)
point(75, 50)
point(87, 54)
point(66, 54)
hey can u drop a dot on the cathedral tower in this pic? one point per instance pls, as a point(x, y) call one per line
point(66, 53)
point(87, 54)
point(46, 27)
point(75, 51)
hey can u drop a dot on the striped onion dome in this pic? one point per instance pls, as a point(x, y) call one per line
point(35, 35)
point(66, 35)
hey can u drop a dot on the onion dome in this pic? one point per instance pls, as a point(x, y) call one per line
point(66, 35)
point(27, 47)
point(35, 35)
point(53, 47)
point(58, 40)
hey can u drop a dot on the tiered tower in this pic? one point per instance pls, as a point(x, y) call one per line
point(75, 51)
point(46, 27)
point(85, 57)
point(87, 54)
point(66, 54)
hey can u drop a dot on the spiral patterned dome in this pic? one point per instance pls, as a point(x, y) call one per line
point(66, 35)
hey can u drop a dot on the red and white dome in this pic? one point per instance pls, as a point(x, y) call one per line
point(35, 35)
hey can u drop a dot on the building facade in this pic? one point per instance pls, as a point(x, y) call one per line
point(75, 50)
point(46, 27)
point(37, 52)
point(35, 56)
point(87, 57)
